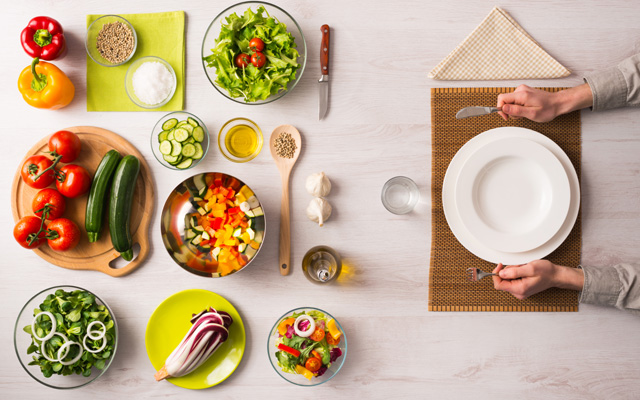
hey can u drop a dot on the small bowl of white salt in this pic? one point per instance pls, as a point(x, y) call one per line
point(150, 82)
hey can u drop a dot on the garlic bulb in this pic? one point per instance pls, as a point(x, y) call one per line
point(318, 184)
point(319, 210)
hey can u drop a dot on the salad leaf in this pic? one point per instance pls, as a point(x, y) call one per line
point(251, 83)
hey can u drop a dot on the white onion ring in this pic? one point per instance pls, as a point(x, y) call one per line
point(308, 332)
point(65, 346)
point(53, 326)
point(44, 353)
point(101, 333)
point(84, 343)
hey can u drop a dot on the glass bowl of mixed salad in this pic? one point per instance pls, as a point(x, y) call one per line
point(212, 225)
point(254, 52)
point(307, 346)
point(74, 352)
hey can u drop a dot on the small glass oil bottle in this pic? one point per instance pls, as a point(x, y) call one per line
point(321, 264)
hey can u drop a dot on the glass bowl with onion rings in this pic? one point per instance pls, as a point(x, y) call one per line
point(78, 349)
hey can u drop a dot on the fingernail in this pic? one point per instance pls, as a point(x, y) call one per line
point(501, 273)
point(505, 108)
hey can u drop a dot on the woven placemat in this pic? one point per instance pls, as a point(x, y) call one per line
point(449, 289)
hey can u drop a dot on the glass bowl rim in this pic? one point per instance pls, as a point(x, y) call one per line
point(129, 74)
point(270, 98)
point(259, 135)
point(274, 329)
point(55, 288)
point(133, 31)
point(196, 162)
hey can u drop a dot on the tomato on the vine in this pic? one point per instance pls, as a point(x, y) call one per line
point(67, 144)
point(313, 364)
point(27, 232)
point(50, 199)
point(256, 44)
point(242, 60)
point(258, 60)
point(62, 234)
point(33, 171)
point(73, 180)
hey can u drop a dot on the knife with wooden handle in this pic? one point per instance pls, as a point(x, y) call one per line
point(324, 67)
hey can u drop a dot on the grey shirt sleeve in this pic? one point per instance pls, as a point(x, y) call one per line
point(615, 286)
point(616, 87)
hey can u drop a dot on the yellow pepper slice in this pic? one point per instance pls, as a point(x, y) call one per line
point(43, 85)
point(304, 372)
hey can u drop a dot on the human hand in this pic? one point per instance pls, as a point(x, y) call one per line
point(534, 104)
point(526, 280)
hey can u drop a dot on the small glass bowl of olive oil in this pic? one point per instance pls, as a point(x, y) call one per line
point(240, 140)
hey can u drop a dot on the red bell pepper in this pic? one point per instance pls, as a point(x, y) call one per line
point(217, 223)
point(44, 38)
point(289, 350)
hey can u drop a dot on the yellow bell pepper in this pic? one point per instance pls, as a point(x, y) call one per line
point(43, 85)
point(304, 372)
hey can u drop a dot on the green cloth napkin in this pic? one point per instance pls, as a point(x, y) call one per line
point(160, 35)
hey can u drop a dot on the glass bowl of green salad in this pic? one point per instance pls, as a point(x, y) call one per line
point(75, 351)
point(307, 346)
point(254, 53)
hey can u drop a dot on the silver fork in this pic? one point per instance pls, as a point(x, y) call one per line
point(475, 274)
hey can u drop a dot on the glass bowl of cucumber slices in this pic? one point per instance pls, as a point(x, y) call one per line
point(179, 140)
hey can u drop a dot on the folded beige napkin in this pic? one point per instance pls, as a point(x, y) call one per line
point(498, 49)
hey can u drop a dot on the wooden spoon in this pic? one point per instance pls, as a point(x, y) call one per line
point(285, 165)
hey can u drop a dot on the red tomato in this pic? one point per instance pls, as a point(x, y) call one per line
point(67, 144)
point(258, 60)
point(54, 202)
point(317, 335)
point(26, 230)
point(33, 166)
point(332, 341)
point(74, 181)
point(256, 44)
point(313, 364)
point(63, 234)
point(242, 60)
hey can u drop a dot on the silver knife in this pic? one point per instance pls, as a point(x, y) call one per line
point(324, 67)
point(476, 111)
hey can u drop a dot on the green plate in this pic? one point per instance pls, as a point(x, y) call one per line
point(170, 322)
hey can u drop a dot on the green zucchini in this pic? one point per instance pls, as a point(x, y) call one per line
point(95, 204)
point(122, 188)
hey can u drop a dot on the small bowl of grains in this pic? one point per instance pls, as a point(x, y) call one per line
point(111, 41)
point(150, 82)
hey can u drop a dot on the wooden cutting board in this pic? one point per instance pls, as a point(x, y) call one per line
point(98, 256)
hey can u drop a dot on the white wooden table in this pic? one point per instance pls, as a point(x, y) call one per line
point(378, 126)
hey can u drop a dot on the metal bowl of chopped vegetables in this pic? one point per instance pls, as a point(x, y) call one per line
point(79, 350)
point(213, 225)
point(250, 71)
point(111, 41)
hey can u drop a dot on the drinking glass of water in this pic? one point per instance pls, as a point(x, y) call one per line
point(400, 194)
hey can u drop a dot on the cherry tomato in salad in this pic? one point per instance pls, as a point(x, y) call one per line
point(332, 341)
point(242, 60)
point(35, 165)
point(63, 234)
point(316, 354)
point(258, 60)
point(317, 335)
point(67, 144)
point(73, 181)
point(52, 200)
point(26, 232)
point(256, 44)
point(313, 364)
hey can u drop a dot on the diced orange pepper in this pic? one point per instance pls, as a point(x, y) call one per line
point(254, 244)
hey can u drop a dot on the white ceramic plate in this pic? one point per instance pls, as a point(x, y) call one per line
point(512, 194)
point(453, 217)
